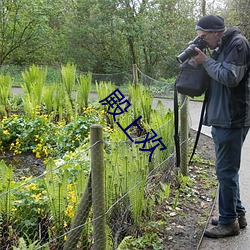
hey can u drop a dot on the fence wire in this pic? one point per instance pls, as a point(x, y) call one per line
point(162, 87)
point(39, 213)
point(48, 230)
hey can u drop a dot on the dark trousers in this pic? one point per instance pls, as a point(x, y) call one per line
point(228, 145)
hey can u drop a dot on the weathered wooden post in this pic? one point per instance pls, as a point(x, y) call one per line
point(80, 218)
point(98, 195)
point(135, 74)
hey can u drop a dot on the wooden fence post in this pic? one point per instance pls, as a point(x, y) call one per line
point(135, 74)
point(98, 195)
point(80, 218)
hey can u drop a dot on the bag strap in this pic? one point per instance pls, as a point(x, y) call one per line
point(199, 127)
point(176, 126)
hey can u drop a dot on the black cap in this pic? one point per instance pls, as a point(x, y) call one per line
point(210, 23)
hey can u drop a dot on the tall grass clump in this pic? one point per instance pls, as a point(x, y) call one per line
point(6, 184)
point(83, 91)
point(5, 90)
point(128, 168)
point(63, 103)
point(126, 172)
point(48, 98)
point(68, 75)
point(162, 121)
point(34, 80)
point(104, 89)
point(141, 100)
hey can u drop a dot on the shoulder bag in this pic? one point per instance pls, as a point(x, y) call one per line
point(192, 79)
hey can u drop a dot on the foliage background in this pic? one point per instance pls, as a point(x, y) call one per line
point(104, 36)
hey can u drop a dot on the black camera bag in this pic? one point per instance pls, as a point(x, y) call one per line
point(192, 79)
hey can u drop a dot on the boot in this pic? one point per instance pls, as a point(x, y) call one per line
point(241, 219)
point(221, 231)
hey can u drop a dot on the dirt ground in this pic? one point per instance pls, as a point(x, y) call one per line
point(187, 223)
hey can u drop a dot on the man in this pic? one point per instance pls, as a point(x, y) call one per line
point(228, 112)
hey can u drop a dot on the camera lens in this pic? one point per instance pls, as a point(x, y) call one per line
point(187, 53)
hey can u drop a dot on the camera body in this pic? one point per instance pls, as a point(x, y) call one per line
point(190, 51)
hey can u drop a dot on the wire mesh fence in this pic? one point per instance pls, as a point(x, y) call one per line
point(160, 87)
point(46, 210)
point(56, 209)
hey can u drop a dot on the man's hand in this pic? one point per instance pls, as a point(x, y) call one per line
point(200, 58)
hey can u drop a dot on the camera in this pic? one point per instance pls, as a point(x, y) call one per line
point(190, 51)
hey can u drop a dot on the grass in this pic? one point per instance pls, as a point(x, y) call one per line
point(161, 88)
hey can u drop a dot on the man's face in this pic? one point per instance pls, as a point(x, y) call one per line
point(211, 38)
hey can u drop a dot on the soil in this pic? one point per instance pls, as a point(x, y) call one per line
point(186, 223)
point(25, 164)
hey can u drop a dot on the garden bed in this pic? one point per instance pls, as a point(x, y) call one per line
point(178, 222)
point(150, 204)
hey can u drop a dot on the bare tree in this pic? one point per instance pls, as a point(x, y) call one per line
point(20, 22)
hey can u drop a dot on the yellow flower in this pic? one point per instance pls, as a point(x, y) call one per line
point(45, 151)
point(14, 209)
point(26, 178)
point(73, 199)
point(37, 196)
point(17, 152)
point(31, 187)
point(38, 156)
point(6, 132)
point(69, 211)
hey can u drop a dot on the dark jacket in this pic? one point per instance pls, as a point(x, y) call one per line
point(228, 103)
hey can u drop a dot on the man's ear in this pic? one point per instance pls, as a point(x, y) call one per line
point(219, 34)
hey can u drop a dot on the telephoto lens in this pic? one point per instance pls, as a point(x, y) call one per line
point(190, 50)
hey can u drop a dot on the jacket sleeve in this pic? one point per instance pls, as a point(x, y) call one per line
point(230, 70)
